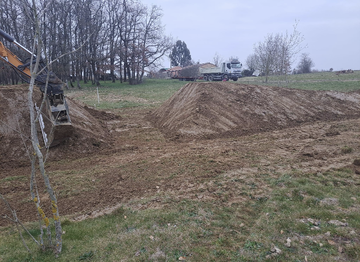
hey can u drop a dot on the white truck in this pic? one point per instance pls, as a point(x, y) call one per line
point(226, 71)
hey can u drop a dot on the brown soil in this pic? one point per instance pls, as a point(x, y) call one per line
point(89, 128)
point(141, 158)
point(221, 109)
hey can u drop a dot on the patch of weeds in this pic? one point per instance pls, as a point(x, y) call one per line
point(223, 241)
point(129, 228)
point(110, 248)
point(354, 219)
point(302, 181)
point(119, 212)
point(344, 170)
point(13, 178)
point(312, 201)
point(252, 245)
point(177, 253)
point(282, 181)
point(320, 213)
point(302, 228)
point(345, 202)
point(65, 223)
point(220, 253)
point(86, 256)
point(29, 259)
point(321, 249)
point(314, 190)
point(297, 196)
point(346, 150)
point(353, 252)
point(34, 231)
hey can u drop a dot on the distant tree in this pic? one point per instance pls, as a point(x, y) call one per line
point(180, 54)
point(217, 59)
point(252, 62)
point(305, 64)
point(277, 52)
point(331, 69)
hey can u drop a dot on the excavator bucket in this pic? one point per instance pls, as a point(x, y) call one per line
point(55, 123)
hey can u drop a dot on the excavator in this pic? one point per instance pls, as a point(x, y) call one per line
point(55, 122)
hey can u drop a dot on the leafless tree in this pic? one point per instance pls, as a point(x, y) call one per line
point(112, 13)
point(217, 59)
point(153, 45)
point(34, 68)
point(277, 52)
point(252, 62)
point(123, 34)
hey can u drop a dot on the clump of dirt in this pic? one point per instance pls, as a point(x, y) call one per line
point(223, 109)
point(90, 132)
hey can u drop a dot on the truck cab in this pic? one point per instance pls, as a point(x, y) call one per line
point(233, 69)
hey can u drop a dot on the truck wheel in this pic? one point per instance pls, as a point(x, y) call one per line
point(210, 78)
point(235, 78)
point(205, 78)
point(225, 78)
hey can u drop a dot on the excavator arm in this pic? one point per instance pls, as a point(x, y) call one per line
point(56, 126)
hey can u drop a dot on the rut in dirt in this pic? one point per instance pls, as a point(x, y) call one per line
point(223, 109)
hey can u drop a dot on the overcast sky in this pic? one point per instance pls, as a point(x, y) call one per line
point(231, 27)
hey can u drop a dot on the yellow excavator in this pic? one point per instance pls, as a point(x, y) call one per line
point(55, 122)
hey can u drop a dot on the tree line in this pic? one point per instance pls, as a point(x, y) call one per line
point(118, 38)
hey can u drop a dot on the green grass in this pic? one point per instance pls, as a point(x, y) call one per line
point(211, 231)
point(122, 95)
point(188, 228)
point(312, 81)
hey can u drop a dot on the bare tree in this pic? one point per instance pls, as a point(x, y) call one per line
point(112, 11)
point(252, 62)
point(154, 45)
point(123, 33)
point(267, 53)
point(34, 68)
point(217, 60)
point(277, 52)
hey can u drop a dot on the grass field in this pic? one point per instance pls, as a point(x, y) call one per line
point(240, 232)
point(117, 95)
point(313, 81)
point(295, 205)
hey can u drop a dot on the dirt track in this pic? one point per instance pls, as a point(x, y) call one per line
point(205, 132)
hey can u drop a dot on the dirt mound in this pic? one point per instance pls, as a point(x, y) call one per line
point(90, 131)
point(223, 109)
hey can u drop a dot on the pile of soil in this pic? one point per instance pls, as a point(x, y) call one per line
point(223, 109)
point(90, 132)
